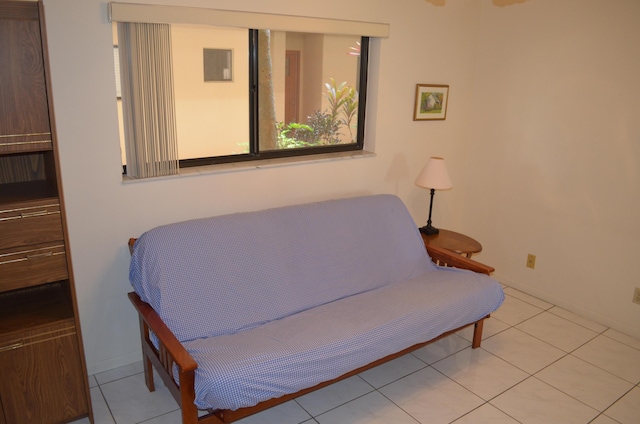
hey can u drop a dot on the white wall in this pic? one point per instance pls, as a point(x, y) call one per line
point(554, 152)
point(493, 197)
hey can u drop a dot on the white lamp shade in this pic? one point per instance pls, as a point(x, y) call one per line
point(434, 175)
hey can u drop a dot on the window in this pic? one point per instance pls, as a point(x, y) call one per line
point(263, 94)
point(217, 65)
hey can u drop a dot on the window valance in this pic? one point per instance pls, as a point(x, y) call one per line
point(146, 13)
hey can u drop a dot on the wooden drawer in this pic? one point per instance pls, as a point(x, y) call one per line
point(37, 264)
point(41, 380)
point(27, 223)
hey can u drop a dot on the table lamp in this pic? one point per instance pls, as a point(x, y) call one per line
point(434, 176)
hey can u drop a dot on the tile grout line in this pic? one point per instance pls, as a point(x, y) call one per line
point(566, 354)
point(616, 340)
point(113, 418)
point(549, 309)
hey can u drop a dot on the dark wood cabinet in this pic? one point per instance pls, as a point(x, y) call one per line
point(42, 366)
point(24, 115)
point(2, 420)
point(39, 367)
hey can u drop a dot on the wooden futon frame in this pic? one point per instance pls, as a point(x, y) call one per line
point(171, 353)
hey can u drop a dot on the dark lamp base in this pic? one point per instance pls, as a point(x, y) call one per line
point(429, 230)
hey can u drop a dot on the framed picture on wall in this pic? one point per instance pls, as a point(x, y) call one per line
point(431, 102)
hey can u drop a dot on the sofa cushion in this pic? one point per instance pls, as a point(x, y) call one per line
point(230, 273)
point(322, 343)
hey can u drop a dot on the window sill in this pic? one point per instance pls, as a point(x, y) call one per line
point(224, 168)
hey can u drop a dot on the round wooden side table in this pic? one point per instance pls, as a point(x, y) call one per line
point(453, 241)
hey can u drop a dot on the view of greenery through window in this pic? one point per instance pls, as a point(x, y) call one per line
point(324, 128)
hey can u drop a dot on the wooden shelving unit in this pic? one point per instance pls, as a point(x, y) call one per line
point(42, 366)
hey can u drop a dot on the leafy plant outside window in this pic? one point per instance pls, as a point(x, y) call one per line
point(323, 128)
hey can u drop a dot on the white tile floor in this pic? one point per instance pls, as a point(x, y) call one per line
point(538, 364)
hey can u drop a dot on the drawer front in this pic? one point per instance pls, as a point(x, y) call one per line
point(24, 225)
point(25, 143)
point(28, 337)
point(44, 263)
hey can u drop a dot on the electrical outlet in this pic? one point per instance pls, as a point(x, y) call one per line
point(636, 296)
point(531, 261)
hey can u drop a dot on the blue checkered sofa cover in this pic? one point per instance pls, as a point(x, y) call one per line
point(271, 302)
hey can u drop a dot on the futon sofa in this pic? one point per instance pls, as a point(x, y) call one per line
point(241, 312)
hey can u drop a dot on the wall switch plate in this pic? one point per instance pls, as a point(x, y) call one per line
point(636, 296)
point(531, 261)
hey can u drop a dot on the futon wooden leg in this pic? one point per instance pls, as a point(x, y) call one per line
point(190, 414)
point(477, 334)
point(148, 374)
point(148, 366)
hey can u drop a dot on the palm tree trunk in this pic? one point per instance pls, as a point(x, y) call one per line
point(267, 133)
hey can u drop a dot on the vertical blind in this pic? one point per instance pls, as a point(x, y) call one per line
point(147, 99)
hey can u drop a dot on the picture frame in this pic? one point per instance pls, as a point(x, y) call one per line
point(431, 102)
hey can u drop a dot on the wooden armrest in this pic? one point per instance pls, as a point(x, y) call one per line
point(132, 241)
point(179, 354)
point(448, 258)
